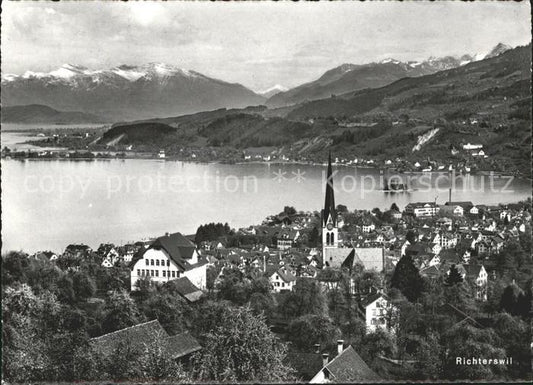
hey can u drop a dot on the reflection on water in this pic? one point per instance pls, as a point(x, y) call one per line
point(49, 204)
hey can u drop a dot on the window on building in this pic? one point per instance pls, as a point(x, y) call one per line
point(164, 273)
point(173, 274)
point(283, 284)
point(157, 262)
point(168, 262)
point(152, 273)
point(151, 262)
point(177, 274)
point(157, 273)
point(138, 272)
point(147, 262)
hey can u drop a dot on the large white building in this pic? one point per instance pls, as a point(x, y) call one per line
point(169, 257)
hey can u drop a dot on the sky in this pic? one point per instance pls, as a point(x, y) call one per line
point(256, 44)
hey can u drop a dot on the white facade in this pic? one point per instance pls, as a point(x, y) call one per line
point(280, 284)
point(157, 265)
point(376, 314)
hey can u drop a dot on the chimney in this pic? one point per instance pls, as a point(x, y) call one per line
point(340, 346)
point(317, 348)
point(325, 359)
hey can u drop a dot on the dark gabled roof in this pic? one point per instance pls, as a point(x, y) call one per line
point(136, 336)
point(182, 344)
point(141, 335)
point(371, 298)
point(430, 271)
point(307, 365)
point(472, 271)
point(285, 275)
point(177, 247)
point(349, 367)
point(186, 289)
point(463, 204)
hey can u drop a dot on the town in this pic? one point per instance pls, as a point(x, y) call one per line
point(337, 295)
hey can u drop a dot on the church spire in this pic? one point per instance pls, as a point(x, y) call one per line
point(329, 205)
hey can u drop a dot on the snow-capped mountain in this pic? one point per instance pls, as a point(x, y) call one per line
point(269, 92)
point(498, 50)
point(352, 77)
point(125, 92)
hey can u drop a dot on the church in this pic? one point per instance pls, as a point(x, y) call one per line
point(334, 254)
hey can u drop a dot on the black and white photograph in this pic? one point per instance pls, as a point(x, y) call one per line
point(266, 192)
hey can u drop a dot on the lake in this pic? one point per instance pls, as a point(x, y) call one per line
point(49, 204)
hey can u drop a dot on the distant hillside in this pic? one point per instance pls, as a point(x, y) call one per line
point(139, 134)
point(37, 113)
point(353, 77)
point(477, 86)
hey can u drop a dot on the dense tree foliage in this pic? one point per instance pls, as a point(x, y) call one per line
point(406, 278)
point(241, 348)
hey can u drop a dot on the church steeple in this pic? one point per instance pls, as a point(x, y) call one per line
point(329, 213)
point(330, 231)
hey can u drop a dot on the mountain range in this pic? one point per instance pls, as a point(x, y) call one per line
point(353, 77)
point(126, 92)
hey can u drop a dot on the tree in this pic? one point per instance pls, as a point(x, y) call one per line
point(120, 312)
point(234, 286)
point(376, 344)
point(314, 237)
point(83, 285)
point(157, 364)
point(394, 207)
point(454, 277)
point(306, 331)
point(168, 309)
point(406, 278)
point(464, 340)
point(306, 297)
point(509, 298)
point(341, 208)
point(511, 332)
point(289, 210)
point(241, 348)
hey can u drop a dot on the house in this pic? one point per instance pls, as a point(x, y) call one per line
point(454, 210)
point(466, 205)
point(169, 257)
point(446, 240)
point(282, 279)
point(136, 337)
point(445, 222)
point(422, 209)
point(474, 210)
point(396, 214)
point(478, 276)
point(286, 239)
point(109, 254)
point(346, 367)
point(431, 272)
point(368, 227)
point(375, 309)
